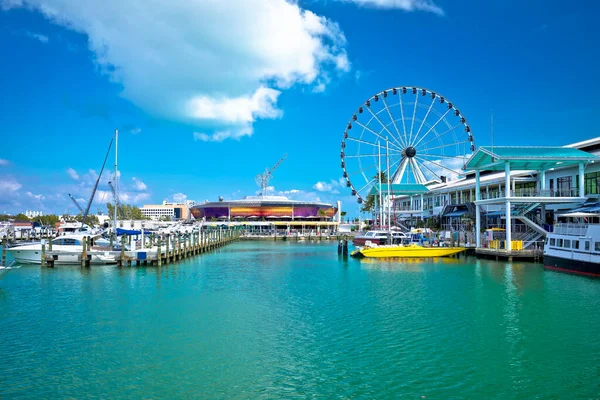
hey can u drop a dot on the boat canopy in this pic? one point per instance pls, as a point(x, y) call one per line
point(130, 232)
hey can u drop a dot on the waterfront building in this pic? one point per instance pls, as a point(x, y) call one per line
point(170, 210)
point(271, 212)
point(535, 183)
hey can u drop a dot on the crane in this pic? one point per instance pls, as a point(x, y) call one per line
point(76, 204)
point(262, 180)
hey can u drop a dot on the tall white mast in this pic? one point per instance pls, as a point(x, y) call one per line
point(380, 194)
point(389, 199)
point(116, 201)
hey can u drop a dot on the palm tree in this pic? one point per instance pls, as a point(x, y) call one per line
point(322, 214)
point(343, 214)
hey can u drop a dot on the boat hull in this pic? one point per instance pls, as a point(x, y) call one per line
point(34, 256)
point(361, 241)
point(409, 252)
point(572, 266)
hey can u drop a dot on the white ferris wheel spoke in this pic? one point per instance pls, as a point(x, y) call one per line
point(399, 174)
point(444, 145)
point(437, 164)
point(439, 156)
point(442, 134)
point(374, 133)
point(402, 114)
point(412, 123)
point(430, 170)
point(393, 122)
point(383, 126)
point(423, 121)
point(433, 127)
point(418, 173)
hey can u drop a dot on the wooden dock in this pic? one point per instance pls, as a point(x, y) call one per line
point(158, 249)
point(502, 254)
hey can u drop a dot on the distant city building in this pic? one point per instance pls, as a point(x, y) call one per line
point(168, 209)
point(33, 214)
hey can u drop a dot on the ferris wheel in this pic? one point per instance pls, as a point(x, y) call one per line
point(421, 134)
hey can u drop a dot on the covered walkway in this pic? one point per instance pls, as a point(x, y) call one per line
point(522, 158)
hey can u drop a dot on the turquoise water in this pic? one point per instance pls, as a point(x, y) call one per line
point(274, 320)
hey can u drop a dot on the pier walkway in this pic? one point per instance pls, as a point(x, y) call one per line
point(159, 249)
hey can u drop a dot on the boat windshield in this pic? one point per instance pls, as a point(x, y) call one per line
point(66, 242)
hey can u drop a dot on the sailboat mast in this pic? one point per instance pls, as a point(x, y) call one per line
point(380, 194)
point(116, 200)
point(389, 198)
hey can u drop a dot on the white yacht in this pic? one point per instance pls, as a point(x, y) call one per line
point(574, 247)
point(66, 248)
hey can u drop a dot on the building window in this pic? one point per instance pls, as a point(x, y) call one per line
point(564, 184)
point(592, 183)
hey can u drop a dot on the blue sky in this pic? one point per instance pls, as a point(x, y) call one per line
point(208, 94)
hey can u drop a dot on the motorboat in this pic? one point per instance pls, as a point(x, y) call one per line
point(379, 237)
point(66, 249)
point(405, 251)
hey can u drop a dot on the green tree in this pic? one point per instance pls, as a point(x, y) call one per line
point(369, 204)
point(21, 217)
point(343, 214)
point(384, 178)
point(126, 211)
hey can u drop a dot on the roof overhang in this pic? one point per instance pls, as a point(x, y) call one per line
point(527, 158)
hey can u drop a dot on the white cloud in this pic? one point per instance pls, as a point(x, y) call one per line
point(73, 174)
point(37, 197)
point(331, 187)
point(37, 36)
point(139, 185)
point(406, 5)
point(9, 186)
point(4, 162)
point(179, 197)
point(218, 64)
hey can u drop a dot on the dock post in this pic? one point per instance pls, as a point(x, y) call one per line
point(50, 244)
point(43, 255)
point(167, 249)
point(345, 247)
point(122, 250)
point(84, 252)
point(159, 253)
point(4, 243)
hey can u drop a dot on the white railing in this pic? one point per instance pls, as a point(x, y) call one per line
point(531, 193)
point(571, 229)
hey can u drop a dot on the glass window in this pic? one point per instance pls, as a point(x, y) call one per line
point(560, 243)
point(552, 242)
point(597, 246)
point(575, 244)
point(564, 184)
point(587, 246)
point(592, 183)
point(567, 244)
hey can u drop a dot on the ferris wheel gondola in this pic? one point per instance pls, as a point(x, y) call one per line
point(422, 135)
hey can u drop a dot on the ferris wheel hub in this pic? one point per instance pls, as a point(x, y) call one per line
point(410, 152)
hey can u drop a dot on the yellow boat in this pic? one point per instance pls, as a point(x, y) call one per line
point(411, 251)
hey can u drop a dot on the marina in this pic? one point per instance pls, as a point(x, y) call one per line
point(279, 319)
point(356, 199)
